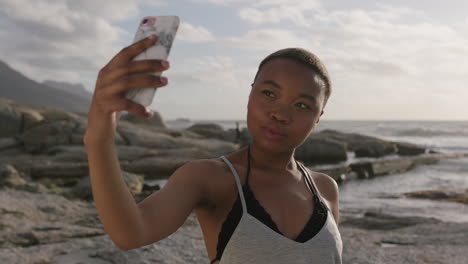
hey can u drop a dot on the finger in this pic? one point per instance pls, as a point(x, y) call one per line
point(129, 52)
point(135, 108)
point(135, 81)
point(136, 67)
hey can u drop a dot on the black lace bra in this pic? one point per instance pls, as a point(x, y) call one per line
point(254, 208)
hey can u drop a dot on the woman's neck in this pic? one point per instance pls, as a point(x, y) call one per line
point(273, 162)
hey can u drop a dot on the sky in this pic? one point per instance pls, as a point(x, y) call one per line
point(388, 60)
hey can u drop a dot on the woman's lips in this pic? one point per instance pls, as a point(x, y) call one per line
point(274, 133)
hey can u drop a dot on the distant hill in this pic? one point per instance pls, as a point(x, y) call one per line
point(74, 88)
point(15, 86)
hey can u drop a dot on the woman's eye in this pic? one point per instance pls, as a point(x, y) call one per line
point(267, 93)
point(303, 106)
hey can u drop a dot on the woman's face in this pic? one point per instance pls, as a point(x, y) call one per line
point(287, 97)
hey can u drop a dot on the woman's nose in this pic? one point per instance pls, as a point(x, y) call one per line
point(281, 115)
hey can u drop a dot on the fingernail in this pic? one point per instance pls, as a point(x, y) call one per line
point(152, 36)
point(163, 79)
point(165, 64)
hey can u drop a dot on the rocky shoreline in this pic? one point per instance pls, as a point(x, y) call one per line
point(48, 228)
point(47, 213)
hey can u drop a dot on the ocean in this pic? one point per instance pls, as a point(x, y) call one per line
point(359, 196)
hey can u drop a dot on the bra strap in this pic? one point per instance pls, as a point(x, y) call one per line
point(238, 183)
point(311, 184)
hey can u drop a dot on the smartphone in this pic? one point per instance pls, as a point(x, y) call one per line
point(165, 27)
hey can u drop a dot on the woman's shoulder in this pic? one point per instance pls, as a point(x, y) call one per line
point(326, 185)
point(216, 177)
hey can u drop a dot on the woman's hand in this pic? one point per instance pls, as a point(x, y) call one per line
point(116, 78)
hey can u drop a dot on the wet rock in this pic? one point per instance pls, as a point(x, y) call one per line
point(408, 149)
point(67, 153)
point(11, 178)
point(46, 135)
point(374, 148)
point(52, 115)
point(447, 195)
point(155, 167)
point(319, 151)
point(139, 136)
point(155, 121)
point(61, 173)
point(209, 130)
point(8, 143)
point(82, 190)
point(32, 218)
point(11, 121)
point(381, 221)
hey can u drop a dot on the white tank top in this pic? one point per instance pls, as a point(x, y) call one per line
point(254, 242)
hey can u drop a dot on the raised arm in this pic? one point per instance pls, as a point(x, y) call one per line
point(130, 225)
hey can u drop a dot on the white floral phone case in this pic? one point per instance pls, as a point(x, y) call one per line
point(165, 27)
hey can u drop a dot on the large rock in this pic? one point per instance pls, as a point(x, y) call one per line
point(11, 121)
point(155, 121)
point(209, 130)
point(165, 164)
point(319, 151)
point(374, 148)
point(364, 146)
point(52, 114)
point(41, 137)
point(408, 149)
point(381, 221)
point(30, 219)
point(139, 136)
point(449, 195)
point(8, 142)
point(67, 153)
point(82, 190)
point(156, 167)
point(60, 173)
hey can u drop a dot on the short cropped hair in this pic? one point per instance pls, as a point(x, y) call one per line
point(305, 57)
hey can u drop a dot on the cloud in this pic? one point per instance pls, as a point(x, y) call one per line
point(196, 34)
point(220, 2)
point(269, 39)
point(206, 87)
point(279, 11)
point(63, 40)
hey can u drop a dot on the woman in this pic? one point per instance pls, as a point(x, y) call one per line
point(256, 205)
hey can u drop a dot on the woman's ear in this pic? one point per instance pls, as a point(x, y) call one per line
point(318, 120)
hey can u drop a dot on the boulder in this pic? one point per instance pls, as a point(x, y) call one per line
point(11, 178)
point(67, 153)
point(48, 134)
point(82, 190)
point(30, 219)
point(447, 195)
point(139, 136)
point(380, 221)
point(209, 130)
point(373, 148)
point(320, 151)
point(408, 149)
point(11, 120)
point(52, 114)
point(155, 167)
point(60, 173)
point(31, 116)
point(155, 121)
point(214, 146)
point(8, 142)
point(365, 146)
